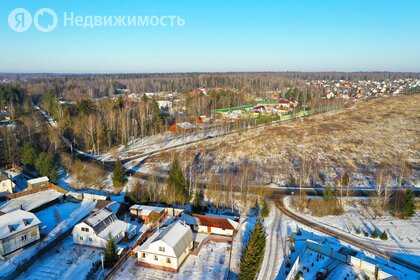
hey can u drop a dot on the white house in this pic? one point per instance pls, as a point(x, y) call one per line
point(17, 229)
point(216, 225)
point(166, 249)
point(101, 226)
point(6, 185)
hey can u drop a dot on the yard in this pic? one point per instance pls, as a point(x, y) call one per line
point(211, 263)
point(64, 261)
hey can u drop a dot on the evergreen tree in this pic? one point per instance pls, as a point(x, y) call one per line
point(328, 193)
point(254, 253)
point(196, 201)
point(118, 176)
point(29, 155)
point(111, 256)
point(409, 205)
point(46, 166)
point(177, 185)
point(265, 210)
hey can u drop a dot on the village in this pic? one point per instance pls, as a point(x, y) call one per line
point(53, 232)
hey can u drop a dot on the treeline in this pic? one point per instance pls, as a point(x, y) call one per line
point(106, 84)
point(98, 126)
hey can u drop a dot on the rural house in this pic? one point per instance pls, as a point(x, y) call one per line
point(148, 213)
point(167, 248)
point(101, 226)
point(17, 229)
point(216, 225)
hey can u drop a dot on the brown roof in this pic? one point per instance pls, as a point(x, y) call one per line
point(208, 221)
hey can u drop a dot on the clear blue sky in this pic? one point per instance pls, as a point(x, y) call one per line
point(220, 35)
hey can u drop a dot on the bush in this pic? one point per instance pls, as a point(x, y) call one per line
point(299, 231)
point(383, 236)
point(366, 234)
point(358, 230)
point(374, 234)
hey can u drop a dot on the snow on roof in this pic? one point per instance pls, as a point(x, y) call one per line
point(177, 235)
point(106, 225)
point(186, 125)
point(31, 201)
point(39, 180)
point(16, 221)
point(188, 219)
point(145, 210)
point(115, 228)
point(217, 222)
point(98, 217)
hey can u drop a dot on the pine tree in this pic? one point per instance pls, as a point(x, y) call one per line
point(46, 166)
point(265, 210)
point(177, 185)
point(409, 205)
point(29, 155)
point(254, 253)
point(111, 256)
point(118, 176)
point(328, 193)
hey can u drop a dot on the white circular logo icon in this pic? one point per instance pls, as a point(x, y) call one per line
point(45, 20)
point(20, 20)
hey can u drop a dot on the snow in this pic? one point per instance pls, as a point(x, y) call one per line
point(211, 263)
point(19, 220)
point(20, 257)
point(64, 261)
point(52, 216)
point(403, 235)
point(31, 201)
point(44, 179)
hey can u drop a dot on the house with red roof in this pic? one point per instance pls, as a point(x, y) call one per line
point(216, 225)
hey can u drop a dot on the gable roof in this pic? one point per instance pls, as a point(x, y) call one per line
point(100, 220)
point(16, 221)
point(217, 222)
point(177, 235)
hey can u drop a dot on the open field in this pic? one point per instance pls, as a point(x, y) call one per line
point(371, 137)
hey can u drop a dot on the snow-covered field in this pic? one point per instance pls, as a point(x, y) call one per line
point(21, 256)
point(52, 216)
point(64, 261)
point(211, 263)
point(403, 235)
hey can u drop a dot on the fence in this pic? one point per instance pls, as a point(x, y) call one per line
point(27, 192)
point(293, 269)
point(358, 263)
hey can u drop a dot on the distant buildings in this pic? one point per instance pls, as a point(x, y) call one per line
point(167, 248)
point(100, 227)
point(17, 229)
point(38, 183)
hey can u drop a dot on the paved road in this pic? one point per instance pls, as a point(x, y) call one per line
point(386, 255)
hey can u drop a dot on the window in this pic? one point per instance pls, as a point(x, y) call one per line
point(81, 237)
point(23, 238)
point(90, 239)
point(168, 260)
point(156, 258)
point(85, 229)
point(162, 249)
point(143, 255)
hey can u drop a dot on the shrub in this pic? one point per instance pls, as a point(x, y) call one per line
point(374, 234)
point(383, 236)
point(299, 231)
point(366, 234)
point(358, 230)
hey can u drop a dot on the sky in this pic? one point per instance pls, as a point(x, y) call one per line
point(218, 36)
